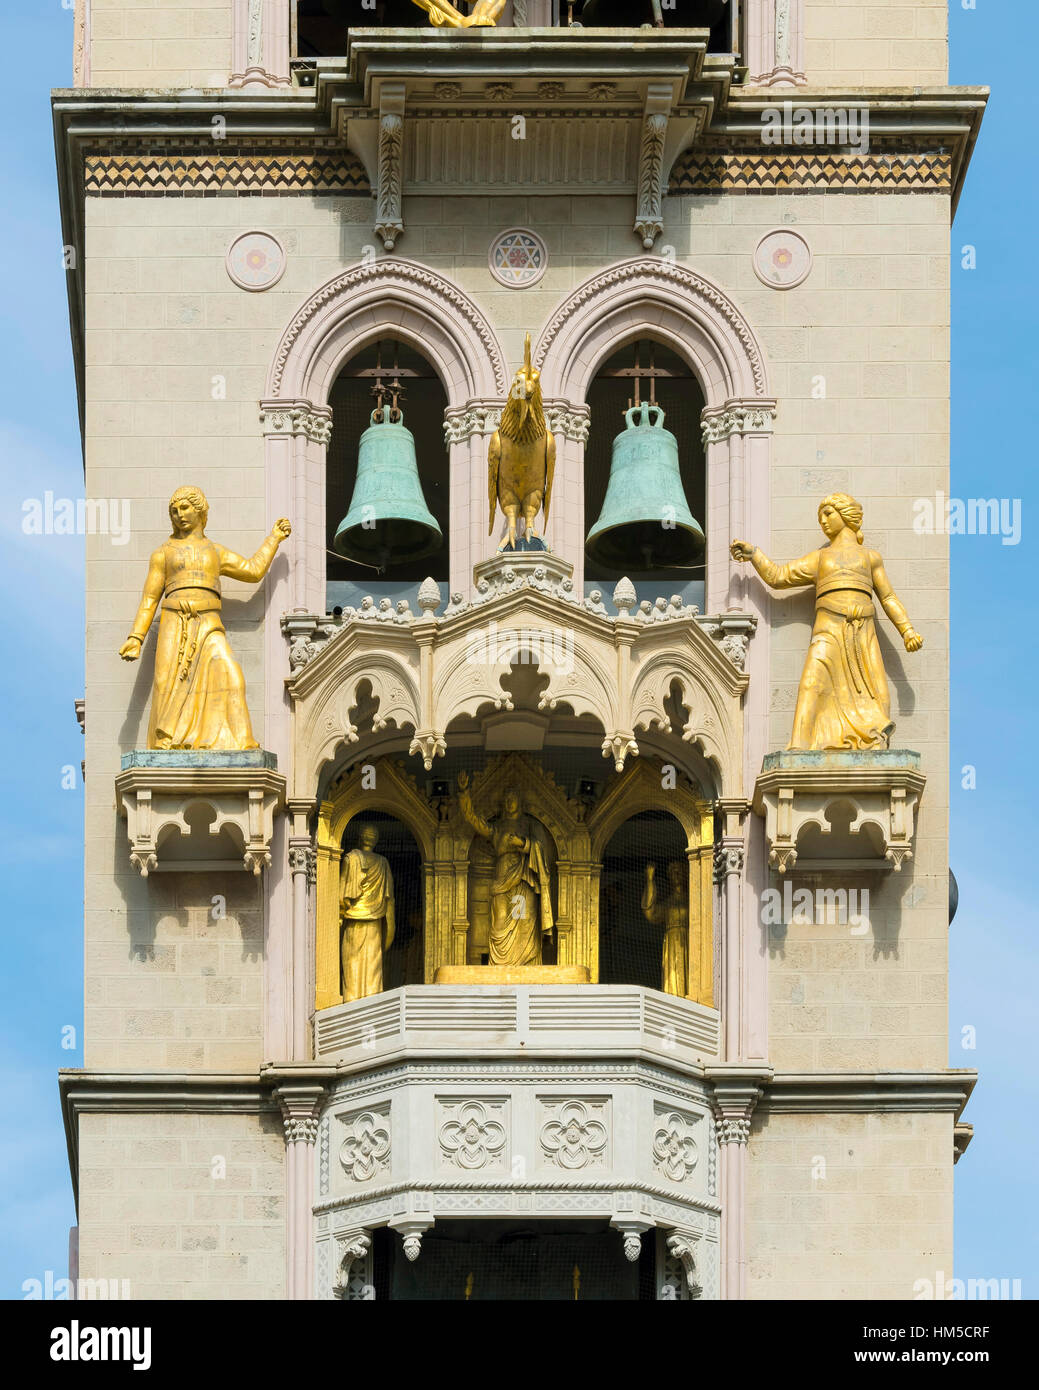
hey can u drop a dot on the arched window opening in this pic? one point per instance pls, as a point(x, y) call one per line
point(646, 371)
point(421, 400)
point(643, 898)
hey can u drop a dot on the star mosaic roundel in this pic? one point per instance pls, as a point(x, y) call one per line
point(518, 258)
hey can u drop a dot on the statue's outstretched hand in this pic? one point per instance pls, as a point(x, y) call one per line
point(282, 530)
point(131, 649)
point(463, 781)
point(912, 639)
point(742, 550)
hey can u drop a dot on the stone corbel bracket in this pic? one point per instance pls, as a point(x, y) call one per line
point(649, 204)
point(351, 1247)
point(389, 221)
point(797, 789)
point(155, 798)
point(682, 1245)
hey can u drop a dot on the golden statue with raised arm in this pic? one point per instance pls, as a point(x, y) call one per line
point(198, 692)
point(521, 894)
point(485, 13)
point(521, 457)
point(842, 700)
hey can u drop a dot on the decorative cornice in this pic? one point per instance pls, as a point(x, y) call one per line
point(809, 170)
point(192, 173)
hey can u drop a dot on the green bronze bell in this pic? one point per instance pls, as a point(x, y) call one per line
point(645, 523)
point(388, 520)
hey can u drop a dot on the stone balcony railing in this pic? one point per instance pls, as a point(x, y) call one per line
point(518, 1020)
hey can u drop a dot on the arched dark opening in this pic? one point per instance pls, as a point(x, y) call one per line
point(631, 947)
point(645, 371)
point(422, 401)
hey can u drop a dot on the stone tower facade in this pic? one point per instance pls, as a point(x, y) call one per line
point(738, 211)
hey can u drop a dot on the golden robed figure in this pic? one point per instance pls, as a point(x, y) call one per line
point(521, 894)
point(521, 458)
point(671, 913)
point(198, 692)
point(441, 12)
point(366, 914)
point(842, 700)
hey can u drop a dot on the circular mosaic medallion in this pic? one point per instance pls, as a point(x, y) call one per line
point(255, 261)
point(518, 257)
point(782, 259)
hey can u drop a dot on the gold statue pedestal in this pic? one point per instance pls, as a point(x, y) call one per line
point(512, 975)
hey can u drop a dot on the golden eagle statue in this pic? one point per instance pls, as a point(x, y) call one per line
point(485, 13)
point(521, 459)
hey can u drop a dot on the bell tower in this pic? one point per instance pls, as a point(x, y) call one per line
point(528, 871)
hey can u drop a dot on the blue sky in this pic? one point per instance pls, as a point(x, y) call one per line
point(994, 945)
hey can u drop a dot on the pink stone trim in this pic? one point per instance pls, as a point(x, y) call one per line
point(773, 43)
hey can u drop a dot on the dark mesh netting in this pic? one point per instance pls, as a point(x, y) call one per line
point(630, 947)
point(478, 1261)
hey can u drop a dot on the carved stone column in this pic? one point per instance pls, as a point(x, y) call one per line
point(736, 1092)
point(303, 868)
point(774, 43)
point(260, 44)
point(729, 861)
point(299, 1107)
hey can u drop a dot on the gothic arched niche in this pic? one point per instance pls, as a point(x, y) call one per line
point(422, 400)
point(645, 370)
point(630, 946)
point(403, 963)
point(481, 876)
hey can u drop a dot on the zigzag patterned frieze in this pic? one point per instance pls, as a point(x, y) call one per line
point(227, 172)
point(791, 172)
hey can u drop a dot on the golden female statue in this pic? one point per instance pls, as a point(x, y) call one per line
point(521, 894)
point(842, 700)
point(366, 911)
point(484, 14)
point(198, 693)
point(673, 916)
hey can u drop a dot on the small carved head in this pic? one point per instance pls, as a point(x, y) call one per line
point(837, 511)
point(368, 837)
point(510, 802)
point(188, 505)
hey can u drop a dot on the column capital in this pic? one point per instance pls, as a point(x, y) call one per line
point(737, 1091)
point(300, 1111)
